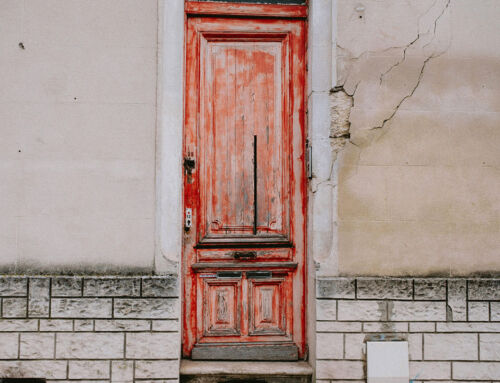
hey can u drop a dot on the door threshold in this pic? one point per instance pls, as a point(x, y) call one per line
point(287, 352)
point(243, 368)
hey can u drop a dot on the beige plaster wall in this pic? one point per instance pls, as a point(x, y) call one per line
point(77, 133)
point(419, 181)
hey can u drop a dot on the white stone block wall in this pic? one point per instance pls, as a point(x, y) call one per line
point(452, 327)
point(104, 329)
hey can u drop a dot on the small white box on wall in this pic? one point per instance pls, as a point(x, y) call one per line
point(387, 362)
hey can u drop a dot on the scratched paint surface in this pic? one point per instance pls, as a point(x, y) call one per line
point(244, 129)
point(243, 101)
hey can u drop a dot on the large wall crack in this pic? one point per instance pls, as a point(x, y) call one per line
point(419, 79)
point(437, 53)
point(384, 79)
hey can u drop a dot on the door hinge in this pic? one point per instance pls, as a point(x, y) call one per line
point(309, 160)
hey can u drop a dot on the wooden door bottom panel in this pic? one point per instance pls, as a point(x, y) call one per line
point(275, 352)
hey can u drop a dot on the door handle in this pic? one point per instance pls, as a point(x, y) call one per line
point(244, 254)
point(255, 185)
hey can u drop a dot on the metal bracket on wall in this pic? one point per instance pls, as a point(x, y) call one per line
point(309, 160)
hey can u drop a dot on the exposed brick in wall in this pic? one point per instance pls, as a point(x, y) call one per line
point(452, 327)
point(104, 329)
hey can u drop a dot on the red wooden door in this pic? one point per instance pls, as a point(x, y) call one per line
point(244, 189)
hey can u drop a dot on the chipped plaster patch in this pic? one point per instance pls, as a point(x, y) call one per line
point(340, 108)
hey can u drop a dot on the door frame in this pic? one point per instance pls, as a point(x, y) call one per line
point(260, 11)
point(322, 244)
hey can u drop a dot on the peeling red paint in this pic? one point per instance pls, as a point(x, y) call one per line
point(245, 132)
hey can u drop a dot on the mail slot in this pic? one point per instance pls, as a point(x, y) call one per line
point(229, 274)
point(259, 274)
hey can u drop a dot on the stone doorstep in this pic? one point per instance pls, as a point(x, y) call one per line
point(247, 369)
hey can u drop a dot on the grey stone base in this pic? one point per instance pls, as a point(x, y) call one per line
point(452, 326)
point(74, 328)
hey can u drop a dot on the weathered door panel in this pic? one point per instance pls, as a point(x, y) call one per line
point(242, 140)
point(244, 254)
point(221, 307)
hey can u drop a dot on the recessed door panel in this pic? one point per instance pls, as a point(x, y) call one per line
point(244, 159)
point(221, 307)
point(267, 306)
point(244, 187)
point(244, 135)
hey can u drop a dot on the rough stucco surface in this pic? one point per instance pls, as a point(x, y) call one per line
point(77, 123)
point(419, 181)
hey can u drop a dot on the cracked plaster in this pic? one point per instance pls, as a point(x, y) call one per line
point(398, 65)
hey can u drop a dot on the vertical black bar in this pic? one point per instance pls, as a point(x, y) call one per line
point(254, 184)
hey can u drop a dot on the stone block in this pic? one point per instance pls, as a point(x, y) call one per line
point(84, 325)
point(90, 345)
point(355, 346)
point(37, 346)
point(495, 311)
point(329, 346)
point(38, 297)
point(430, 289)
point(147, 308)
point(450, 346)
point(336, 288)
point(160, 369)
point(8, 325)
point(338, 326)
point(339, 369)
point(422, 327)
point(122, 371)
point(159, 345)
point(56, 325)
point(387, 362)
point(166, 325)
point(362, 310)
point(457, 299)
point(88, 369)
point(476, 370)
point(479, 311)
point(67, 286)
point(468, 327)
point(13, 287)
point(415, 346)
point(489, 347)
point(380, 288)
point(430, 370)
point(122, 325)
point(14, 307)
point(164, 286)
point(48, 369)
point(484, 289)
point(326, 309)
point(111, 287)
point(9, 343)
point(417, 311)
point(81, 308)
point(386, 327)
